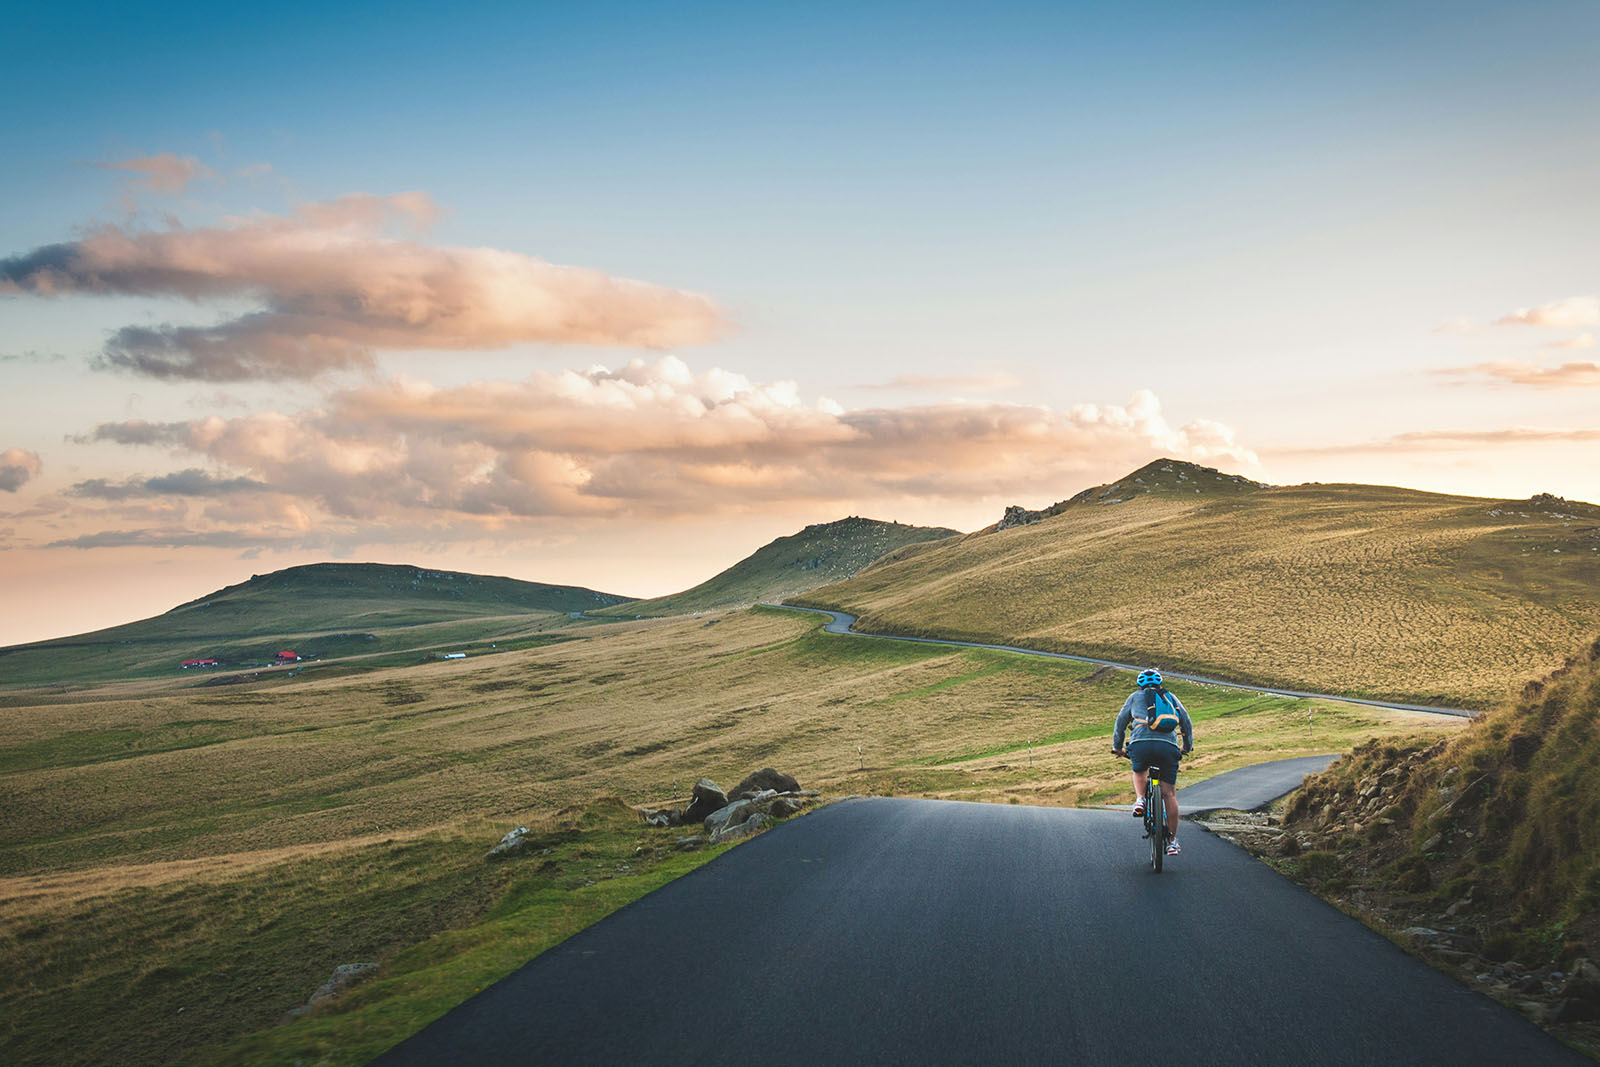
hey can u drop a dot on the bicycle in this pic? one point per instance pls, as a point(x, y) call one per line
point(1155, 817)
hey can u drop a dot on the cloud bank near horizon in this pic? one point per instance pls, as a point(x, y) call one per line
point(334, 287)
point(647, 440)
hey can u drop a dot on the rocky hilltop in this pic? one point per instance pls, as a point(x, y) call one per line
point(1164, 477)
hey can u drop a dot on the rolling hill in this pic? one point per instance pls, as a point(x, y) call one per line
point(322, 609)
point(819, 554)
point(1357, 589)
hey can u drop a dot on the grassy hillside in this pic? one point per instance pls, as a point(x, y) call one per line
point(1484, 847)
point(219, 851)
point(323, 610)
point(820, 554)
point(1364, 590)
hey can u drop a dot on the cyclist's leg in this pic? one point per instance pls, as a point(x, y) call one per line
point(1139, 760)
point(1168, 762)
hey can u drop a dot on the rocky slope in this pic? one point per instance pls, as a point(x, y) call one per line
point(1481, 853)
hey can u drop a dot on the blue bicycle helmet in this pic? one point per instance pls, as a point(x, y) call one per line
point(1148, 677)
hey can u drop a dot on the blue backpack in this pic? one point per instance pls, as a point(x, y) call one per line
point(1160, 713)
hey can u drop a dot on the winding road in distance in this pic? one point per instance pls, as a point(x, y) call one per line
point(840, 622)
point(900, 931)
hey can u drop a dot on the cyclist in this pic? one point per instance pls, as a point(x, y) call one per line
point(1151, 746)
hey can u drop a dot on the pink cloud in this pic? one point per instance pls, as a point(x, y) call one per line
point(652, 439)
point(1573, 311)
point(164, 173)
point(1583, 340)
point(1516, 372)
point(17, 467)
point(334, 287)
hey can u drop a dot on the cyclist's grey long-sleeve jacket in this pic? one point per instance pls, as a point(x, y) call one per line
point(1133, 709)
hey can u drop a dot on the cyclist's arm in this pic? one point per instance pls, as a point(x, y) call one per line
point(1186, 725)
point(1124, 717)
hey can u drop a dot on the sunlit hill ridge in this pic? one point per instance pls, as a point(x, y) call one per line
point(1356, 589)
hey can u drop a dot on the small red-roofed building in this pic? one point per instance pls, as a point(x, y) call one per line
point(188, 663)
point(287, 657)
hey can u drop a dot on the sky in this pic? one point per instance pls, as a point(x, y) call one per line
point(612, 294)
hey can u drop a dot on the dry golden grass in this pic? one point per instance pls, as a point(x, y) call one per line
point(639, 710)
point(140, 825)
point(1347, 589)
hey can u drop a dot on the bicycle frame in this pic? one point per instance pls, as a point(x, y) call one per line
point(1155, 816)
point(1155, 820)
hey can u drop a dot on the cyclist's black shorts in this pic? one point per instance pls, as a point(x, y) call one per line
point(1164, 757)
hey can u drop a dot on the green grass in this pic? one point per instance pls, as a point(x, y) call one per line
point(576, 878)
point(1203, 706)
point(176, 972)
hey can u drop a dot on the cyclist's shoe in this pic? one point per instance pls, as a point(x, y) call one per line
point(1172, 847)
point(1138, 809)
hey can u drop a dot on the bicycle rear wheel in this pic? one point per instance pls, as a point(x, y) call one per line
point(1156, 823)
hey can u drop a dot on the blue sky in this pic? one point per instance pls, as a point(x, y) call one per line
point(1261, 215)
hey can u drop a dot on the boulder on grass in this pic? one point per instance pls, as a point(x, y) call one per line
point(511, 844)
point(783, 807)
point(765, 778)
point(662, 817)
point(708, 797)
point(753, 824)
point(731, 815)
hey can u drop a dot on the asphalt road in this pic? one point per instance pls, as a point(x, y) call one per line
point(840, 622)
point(1248, 788)
point(912, 931)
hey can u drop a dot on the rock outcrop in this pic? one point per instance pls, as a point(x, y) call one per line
point(344, 976)
point(1016, 515)
point(511, 844)
point(754, 804)
point(708, 797)
point(755, 823)
point(764, 779)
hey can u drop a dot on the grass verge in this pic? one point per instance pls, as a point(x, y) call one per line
point(175, 971)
